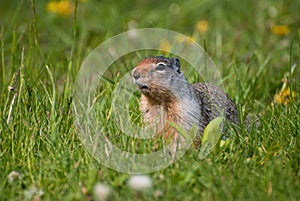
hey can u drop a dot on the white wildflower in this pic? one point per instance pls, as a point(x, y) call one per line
point(33, 192)
point(101, 191)
point(140, 182)
point(14, 175)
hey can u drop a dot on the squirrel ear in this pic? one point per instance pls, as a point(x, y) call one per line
point(176, 64)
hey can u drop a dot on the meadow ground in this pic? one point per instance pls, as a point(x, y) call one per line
point(254, 44)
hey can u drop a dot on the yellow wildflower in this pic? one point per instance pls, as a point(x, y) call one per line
point(284, 96)
point(165, 46)
point(51, 6)
point(188, 40)
point(180, 38)
point(280, 30)
point(202, 26)
point(62, 8)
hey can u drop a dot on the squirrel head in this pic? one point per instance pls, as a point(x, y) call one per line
point(159, 77)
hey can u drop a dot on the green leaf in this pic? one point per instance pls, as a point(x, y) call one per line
point(211, 136)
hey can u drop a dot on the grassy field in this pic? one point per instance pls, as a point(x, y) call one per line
point(255, 45)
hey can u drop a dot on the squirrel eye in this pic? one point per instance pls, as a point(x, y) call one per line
point(160, 66)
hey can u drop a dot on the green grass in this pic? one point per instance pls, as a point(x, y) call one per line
point(38, 138)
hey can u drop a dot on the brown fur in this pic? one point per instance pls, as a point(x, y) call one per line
point(168, 97)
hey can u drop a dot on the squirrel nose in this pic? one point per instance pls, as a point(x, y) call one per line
point(136, 75)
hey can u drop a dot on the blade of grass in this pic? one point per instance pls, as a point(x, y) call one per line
point(52, 101)
point(2, 59)
point(71, 57)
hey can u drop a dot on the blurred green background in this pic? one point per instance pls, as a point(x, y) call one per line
point(235, 31)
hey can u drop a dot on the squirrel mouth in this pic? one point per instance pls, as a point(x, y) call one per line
point(143, 87)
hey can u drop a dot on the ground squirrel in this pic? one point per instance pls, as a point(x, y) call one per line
point(167, 96)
